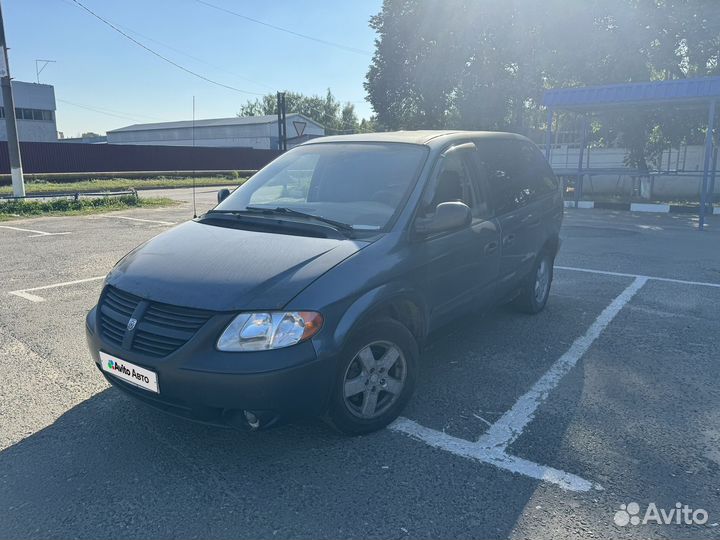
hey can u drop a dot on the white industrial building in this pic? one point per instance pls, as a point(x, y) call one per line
point(34, 111)
point(248, 132)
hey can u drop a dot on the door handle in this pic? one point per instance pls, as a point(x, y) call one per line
point(490, 247)
point(531, 220)
point(509, 239)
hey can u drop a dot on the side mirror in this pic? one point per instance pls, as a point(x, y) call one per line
point(223, 194)
point(448, 216)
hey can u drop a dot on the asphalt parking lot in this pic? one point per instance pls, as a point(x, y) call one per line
point(520, 426)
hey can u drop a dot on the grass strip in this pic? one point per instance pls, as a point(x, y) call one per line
point(119, 184)
point(15, 209)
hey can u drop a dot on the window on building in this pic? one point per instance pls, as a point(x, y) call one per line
point(31, 114)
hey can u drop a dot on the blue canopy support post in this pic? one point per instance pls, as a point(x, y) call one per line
point(706, 164)
point(713, 172)
point(580, 174)
point(548, 134)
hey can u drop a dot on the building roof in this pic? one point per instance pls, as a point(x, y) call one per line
point(212, 122)
point(688, 90)
point(413, 137)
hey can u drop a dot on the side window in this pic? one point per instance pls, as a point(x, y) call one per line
point(517, 173)
point(481, 183)
point(546, 180)
point(452, 182)
point(507, 174)
point(539, 177)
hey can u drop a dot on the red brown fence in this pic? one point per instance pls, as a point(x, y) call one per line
point(41, 158)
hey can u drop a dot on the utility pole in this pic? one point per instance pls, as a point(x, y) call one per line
point(282, 123)
point(16, 172)
point(279, 113)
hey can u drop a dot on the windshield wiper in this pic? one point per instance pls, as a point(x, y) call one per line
point(339, 225)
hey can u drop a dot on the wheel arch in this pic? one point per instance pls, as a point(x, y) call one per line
point(392, 301)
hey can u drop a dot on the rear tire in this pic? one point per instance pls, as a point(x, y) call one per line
point(535, 292)
point(375, 379)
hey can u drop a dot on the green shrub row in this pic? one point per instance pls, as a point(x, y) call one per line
point(28, 208)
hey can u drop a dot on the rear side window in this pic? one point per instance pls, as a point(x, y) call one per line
point(505, 172)
point(542, 177)
point(517, 173)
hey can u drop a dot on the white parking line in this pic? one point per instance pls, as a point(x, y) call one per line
point(511, 424)
point(492, 446)
point(655, 278)
point(145, 220)
point(25, 293)
point(35, 233)
point(492, 456)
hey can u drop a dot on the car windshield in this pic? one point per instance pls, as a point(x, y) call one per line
point(359, 184)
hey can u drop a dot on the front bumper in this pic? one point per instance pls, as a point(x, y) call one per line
point(200, 383)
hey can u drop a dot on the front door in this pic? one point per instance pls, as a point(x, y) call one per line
point(460, 267)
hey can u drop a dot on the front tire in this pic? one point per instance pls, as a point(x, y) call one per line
point(376, 378)
point(536, 290)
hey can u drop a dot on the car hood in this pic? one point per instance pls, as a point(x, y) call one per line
point(227, 269)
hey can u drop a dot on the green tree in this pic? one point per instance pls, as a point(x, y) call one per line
point(348, 118)
point(327, 110)
point(484, 64)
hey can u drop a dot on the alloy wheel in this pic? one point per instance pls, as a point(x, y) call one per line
point(374, 380)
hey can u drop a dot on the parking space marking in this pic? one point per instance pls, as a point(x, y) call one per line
point(493, 456)
point(511, 424)
point(491, 447)
point(25, 293)
point(35, 233)
point(655, 278)
point(145, 220)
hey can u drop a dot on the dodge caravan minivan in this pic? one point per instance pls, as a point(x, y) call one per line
point(311, 289)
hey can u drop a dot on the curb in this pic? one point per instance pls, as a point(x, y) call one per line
point(580, 204)
point(640, 207)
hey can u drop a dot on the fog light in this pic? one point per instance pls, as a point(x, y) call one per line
point(252, 420)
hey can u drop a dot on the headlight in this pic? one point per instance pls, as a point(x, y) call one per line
point(269, 330)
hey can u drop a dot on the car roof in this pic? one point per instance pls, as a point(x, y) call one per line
point(423, 137)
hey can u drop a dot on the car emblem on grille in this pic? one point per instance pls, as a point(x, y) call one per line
point(131, 324)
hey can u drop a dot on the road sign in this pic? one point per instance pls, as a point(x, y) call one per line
point(299, 128)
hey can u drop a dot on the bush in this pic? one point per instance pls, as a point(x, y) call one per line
point(30, 208)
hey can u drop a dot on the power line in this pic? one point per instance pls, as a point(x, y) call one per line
point(197, 59)
point(286, 30)
point(115, 27)
point(164, 58)
point(109, 112)
point(127, 116)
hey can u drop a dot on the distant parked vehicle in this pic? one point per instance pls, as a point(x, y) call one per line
point(311, 288)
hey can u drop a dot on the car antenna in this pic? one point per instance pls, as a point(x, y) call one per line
point(193, 161)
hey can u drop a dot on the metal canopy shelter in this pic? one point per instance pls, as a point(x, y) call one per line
point(703, 91)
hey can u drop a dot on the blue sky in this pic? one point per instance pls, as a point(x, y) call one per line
point(98, 68)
